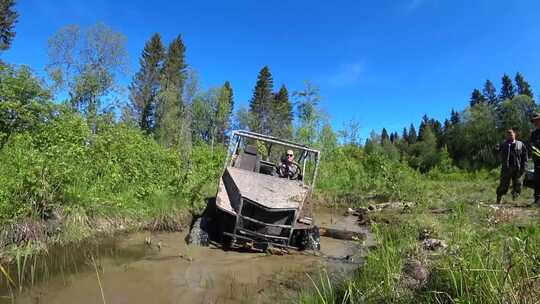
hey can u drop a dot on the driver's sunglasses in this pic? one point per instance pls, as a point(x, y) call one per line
point(290, 154)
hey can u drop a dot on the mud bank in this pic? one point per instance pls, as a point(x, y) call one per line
point(162, 268)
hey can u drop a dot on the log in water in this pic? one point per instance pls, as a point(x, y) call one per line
point(341, 234)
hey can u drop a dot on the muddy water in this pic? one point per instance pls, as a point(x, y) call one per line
point(169, 271)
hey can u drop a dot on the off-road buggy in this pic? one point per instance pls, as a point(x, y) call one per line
point(255, 207)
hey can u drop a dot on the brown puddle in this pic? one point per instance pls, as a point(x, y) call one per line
point(179, 273)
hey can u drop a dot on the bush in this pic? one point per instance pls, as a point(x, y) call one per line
point(64, 164)
point(350, 175)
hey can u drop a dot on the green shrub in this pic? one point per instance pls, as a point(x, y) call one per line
point(349, 176)
point(64, 164)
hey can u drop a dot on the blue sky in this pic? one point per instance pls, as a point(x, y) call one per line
point(382, 63)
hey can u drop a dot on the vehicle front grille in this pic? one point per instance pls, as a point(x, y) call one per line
point(265, 218)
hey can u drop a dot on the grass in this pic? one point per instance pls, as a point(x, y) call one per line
point(98, 280)
point(493, 255)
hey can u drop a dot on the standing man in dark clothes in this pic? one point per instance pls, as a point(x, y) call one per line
point(514, 158)
point(535, 151)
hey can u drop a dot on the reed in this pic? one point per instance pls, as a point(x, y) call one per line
point(99, 280)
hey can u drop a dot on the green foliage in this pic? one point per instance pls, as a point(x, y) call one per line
point(523, 87)
point(328, 143)
point(349, 173)
point(23, 102)
point(86, 64)
point(507, 90)
point(175, 67)
point(144, 87)
point(487, 266)
point(378, 280)
point(211, 115)
point(492, 255)
point(260, 105)
point(479, 136)
point(350, 133)
point(282, 115)
point(204, 170)
point(471, 135)
point(52, 157)
point(230, 94)
point(222, 113)
point(424, 154)
point(172, 124)
point(412, 135)
point(384, 137)
point(476, 98)
point(8, 18)
point(515, 114)
point(490, 93)
point(202, 110)
point(242, 119)
point(64, 164)
point(310, 116)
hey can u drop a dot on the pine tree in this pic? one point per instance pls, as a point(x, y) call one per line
point(436, 126)
point(437, 129)
point(523, 87)
point(260, 105)
point(412, 135)
point(175, 67)
point(384, 137)
point(391, 137)
point(171, 122)
point(405, 135)
point(396, 137)
point(454, 117)
point(145, 85)
point(423, 125)
point(228, 87)
point(447, 125)
point(445, 131)
point(490, 93)
point(421, 129)
point(222, 115)
point(507, 90)
point(8, 18)
point(476, 98)
point(282, 114)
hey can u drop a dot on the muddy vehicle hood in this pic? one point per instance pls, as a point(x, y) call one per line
point(268, 191)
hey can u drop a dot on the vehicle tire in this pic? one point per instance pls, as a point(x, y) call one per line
point(198, 235)
point(310, 239)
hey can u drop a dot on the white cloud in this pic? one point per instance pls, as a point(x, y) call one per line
point(347, 74)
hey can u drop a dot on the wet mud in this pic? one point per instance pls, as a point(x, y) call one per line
point(162, 268)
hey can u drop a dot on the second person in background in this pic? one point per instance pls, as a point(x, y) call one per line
point(514, 158)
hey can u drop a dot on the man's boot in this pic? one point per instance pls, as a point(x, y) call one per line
point(499, 197)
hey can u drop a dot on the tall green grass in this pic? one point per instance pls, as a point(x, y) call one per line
point(378, 279)
point(498, 264)
point(493, 256)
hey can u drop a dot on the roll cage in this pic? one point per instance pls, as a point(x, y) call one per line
point(241, 140)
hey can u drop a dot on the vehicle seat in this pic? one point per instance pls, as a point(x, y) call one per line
point(248, 159)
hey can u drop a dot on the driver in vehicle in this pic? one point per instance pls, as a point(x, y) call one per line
point(289, 168)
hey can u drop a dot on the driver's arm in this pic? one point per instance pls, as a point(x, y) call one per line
point(298, 172)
